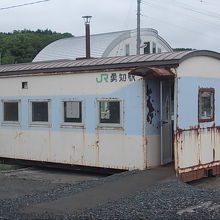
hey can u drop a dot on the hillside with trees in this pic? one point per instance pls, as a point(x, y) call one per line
point(22, 46)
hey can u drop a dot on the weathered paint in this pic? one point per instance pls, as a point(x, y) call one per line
point(197, 143)
point(152, 122)
point(85, 144)
point(136, 142)
point(73, 148)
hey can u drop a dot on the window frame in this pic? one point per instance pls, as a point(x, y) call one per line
point(72, 124)
point(212, 90)
point(40, 123)
point(12, 123)
point(110, 125)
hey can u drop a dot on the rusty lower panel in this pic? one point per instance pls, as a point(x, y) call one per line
point(210, 170)
point(197, 152)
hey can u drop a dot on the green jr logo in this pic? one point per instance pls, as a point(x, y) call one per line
point(103, 78)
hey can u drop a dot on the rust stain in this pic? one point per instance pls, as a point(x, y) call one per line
point(18, 134)
point(154, 72)
point(97, 144)
point(200, 170)
point(83, 146)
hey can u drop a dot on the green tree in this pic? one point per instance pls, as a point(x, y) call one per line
point(22, 46)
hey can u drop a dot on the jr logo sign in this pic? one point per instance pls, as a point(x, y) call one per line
point(103, 78)
point(115, 77)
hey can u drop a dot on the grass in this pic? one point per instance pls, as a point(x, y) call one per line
point(4, 167)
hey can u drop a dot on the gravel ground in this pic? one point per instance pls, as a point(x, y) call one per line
point(169, 200)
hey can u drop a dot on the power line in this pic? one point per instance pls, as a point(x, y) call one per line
point(205, 12)
point(189, 8)
point(29, 3)
point(178, 26)
point(199, 20)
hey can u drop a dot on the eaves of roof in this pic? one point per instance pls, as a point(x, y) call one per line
point(171, 59)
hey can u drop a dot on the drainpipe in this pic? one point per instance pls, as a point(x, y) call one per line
point(87, 29)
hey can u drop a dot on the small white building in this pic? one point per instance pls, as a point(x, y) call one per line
point(131, 112)
point(121, 43)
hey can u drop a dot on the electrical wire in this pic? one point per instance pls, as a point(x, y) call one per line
point(205, 12)
point(21, 5)
point(178, 26)
point(190, 8)
point(197, 20)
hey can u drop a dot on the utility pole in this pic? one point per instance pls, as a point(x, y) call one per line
point(138, 26)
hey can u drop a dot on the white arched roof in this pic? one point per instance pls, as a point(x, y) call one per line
point(101, 45)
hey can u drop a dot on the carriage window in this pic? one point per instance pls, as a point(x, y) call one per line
point(72, 111)
point(39, 112)
point(109, 112)
point(11, 111)
point(206, 105)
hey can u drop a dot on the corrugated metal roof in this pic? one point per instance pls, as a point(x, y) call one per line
point(101, 44)
point(163, 59)
point(74, 47)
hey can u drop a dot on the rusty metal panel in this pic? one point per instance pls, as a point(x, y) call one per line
point(178, 55)
point(120, 60)
point(171, 58)
point(152, 72)
point(91, 62)
point(135, 58)
point(160, 57)
point(199, 172)
point(192, 175)
point(102, 61)
point(149, 57)
point(197, 142)
point(114, 60)
point(206, 146)
point(129, 59)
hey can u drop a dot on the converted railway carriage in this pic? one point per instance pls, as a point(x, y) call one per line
point(132, 112)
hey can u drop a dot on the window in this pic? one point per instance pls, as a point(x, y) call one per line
point(159, 50)
point(154, 48)
point(72, 111)
point(24, 85)
point(127, 49)
point(11, 111)
point(39, 112)
point(206, 104)
point(109, 112)
point(146, 47)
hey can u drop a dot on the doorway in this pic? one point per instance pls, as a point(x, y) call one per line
point(167, 120)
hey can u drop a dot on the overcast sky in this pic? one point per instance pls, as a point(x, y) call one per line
point(182, 23)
